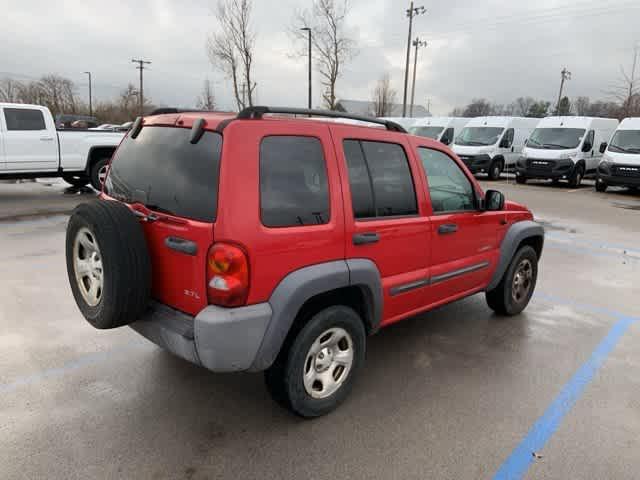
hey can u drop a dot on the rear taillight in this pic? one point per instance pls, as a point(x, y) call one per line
point(227, 275)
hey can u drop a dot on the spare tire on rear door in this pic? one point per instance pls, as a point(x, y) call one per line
point(108, 263)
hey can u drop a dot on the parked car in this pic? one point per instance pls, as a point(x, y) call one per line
point(620, 164)
point(279, 244)
point(443, 129)
point(492, 144)
point(106, 126)
point(67, 120)
point(34, 148)
point(564, 148)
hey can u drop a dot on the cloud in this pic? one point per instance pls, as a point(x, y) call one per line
point(495, 49)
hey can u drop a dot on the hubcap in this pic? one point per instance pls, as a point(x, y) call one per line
point(522, 281)
point(87, 263)
point(328, 363)
point(102, 174)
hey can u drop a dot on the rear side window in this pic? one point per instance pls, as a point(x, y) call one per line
point(293, 182)
point(24, 119)
point(384, 186)
point(164, 171)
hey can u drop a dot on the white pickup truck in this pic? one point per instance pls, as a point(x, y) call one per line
point(31, 147)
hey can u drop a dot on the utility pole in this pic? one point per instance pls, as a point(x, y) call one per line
point(90, 96)
point(416, 43)
point(411, 12)
point(308, 30)
point(141, 67)
point(565, 75)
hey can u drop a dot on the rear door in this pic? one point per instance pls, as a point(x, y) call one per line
point(464, 239)
point(173, 184)
point(385, 217)
point(30, 140)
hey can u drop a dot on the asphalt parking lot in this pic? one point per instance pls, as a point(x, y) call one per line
point(457, 393)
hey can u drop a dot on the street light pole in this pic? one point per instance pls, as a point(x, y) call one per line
point(413, 11)
point(566, 75)
point(308, 30)
point(90, 96)
point(416, 43)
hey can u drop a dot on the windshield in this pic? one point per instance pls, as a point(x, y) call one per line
point(479, 136)
point(428, 132)
point(625, 141)
point(163, 170)
point(556, 138)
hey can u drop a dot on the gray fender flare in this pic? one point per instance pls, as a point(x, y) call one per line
point(296, 288)
point(514, 236)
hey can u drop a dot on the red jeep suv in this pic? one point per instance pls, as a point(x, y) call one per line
point(273, 242)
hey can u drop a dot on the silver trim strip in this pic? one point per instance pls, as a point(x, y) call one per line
point(407, 287)
point(456, 273)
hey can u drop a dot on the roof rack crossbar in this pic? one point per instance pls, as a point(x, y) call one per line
point(258, 112)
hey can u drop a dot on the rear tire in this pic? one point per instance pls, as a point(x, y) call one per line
point(495, 170)
point(311, 375)
point(108, 264)
point(98, 173)
point(77, 180)
point(514, 291)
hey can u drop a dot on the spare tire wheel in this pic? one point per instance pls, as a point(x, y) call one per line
point(108, 263)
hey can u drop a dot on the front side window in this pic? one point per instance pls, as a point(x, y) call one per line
point(293, 182)
point(556, 138)
point(427, 132)
point(24, 119)
point(625, 141)
point(479, 136)
point(449, 187)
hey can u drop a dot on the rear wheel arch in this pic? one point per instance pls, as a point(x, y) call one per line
point(309, 290)
point(96, 154)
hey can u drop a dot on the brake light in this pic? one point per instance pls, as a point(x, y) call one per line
point(227, 275)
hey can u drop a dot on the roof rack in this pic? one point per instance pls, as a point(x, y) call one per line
point(258, 112)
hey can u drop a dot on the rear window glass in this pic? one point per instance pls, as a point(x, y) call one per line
point(24, 119)
point(164, 171)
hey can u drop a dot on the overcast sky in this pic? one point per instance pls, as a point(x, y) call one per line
point(494, 49)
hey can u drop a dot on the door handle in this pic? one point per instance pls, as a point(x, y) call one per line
point(46, 139)
point(447, 228)
point(513, 149)
point(365, 238)
point(181, 245)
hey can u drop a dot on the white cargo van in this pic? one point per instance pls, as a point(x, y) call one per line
point(443, 129)
point(406, 122)
point(491, 144)
point(620, 164)
point(564, 148)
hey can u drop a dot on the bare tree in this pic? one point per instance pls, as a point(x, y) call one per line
point(522, 105)
point(332, 47)
point(9, 90)
point(230, 48)
point(627, 89)
point(206, 100)
point(581, 106)
point(383, 97)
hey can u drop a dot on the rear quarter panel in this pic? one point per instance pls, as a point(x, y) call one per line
point(75, 146)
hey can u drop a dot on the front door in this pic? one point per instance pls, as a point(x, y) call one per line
point(464, 239)
point(507, 148)
point(29, 144)
point(385, 216)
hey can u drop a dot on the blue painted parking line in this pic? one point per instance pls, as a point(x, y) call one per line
point(517, 464)
point(84, 361)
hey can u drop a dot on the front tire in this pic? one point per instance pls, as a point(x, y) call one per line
point(521, 179)
point(495, 170)
point(513, 293)
point(576, 177)
point(601, 186)
point(315, 372)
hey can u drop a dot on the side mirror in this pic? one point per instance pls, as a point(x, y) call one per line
point(586, 147)
point(493, 201)
point(603, 147)
point(445, 140)
point(525, 142)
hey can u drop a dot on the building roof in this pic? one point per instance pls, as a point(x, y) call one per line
point(362, 107)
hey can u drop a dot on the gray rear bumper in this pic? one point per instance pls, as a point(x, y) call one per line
point(220, 339)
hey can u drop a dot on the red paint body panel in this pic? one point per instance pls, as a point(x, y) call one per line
point(410, 248)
